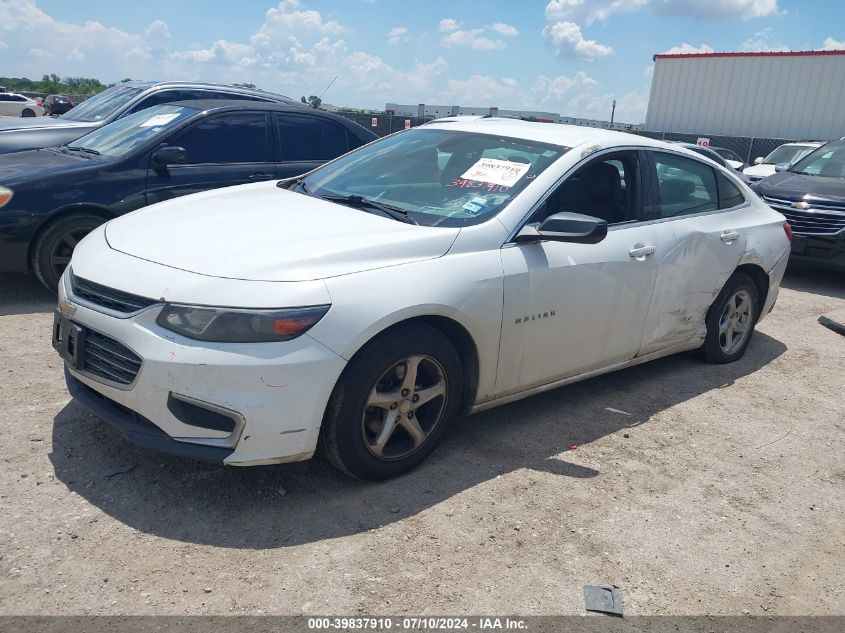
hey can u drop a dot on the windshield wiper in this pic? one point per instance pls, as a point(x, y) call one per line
point(296, 182)
point(365, 203)
point(87, 150)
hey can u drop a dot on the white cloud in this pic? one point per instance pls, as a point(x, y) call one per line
point(504, 29)
point(743, 9)
point(567, 41)
point(689, 49)
point(648, 73)
point(589, 11)
point(448, 24)
point(397, 34)
point(762, 42)
point(830, 44)
point(472, 39)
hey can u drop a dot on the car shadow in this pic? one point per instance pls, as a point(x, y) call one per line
point(279, 506)
point(805, 278)
point(24, 294)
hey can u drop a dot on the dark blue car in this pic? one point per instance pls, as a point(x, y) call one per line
point(51, 198)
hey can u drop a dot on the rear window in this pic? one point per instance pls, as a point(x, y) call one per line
point(729, 194)
point(306, 138)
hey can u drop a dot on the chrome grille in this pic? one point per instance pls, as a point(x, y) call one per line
point(106, 358)
point(109, 298)
point(818, 219)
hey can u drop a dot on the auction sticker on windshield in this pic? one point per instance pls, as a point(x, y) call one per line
point(159, 119)
point(497, 171)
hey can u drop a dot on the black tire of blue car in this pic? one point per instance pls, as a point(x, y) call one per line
point(722, 316)
point(54, 246)
point(353, 425)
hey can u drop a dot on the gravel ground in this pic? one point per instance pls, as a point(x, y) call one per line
point(695, 488)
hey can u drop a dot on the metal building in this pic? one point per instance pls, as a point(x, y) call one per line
point(793, 95)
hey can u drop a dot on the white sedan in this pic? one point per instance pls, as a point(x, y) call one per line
point(12, 104)
point(449, 268)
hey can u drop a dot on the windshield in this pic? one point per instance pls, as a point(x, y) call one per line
point(120, 137)
point(726, 154)
point(100, 106)
point(787, 154)
point(439, 177)
point(826, 161)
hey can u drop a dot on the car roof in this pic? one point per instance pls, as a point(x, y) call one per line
point(208, 105)
point(555, 133)
point(146, 85)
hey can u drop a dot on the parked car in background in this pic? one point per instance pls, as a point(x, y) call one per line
point(369, 301)
point(12, 104)
point(712, 154)
point(111, 104)
point(57, 104)
point(730, 157)
point(786, 153)
point(51, 198)
point(811, 195)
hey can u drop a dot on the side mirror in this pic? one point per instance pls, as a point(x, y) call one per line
point(565, 227)
point(783, 167)
point(171, 155)
point(758, 160)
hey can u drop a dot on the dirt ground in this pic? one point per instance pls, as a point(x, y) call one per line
point(695, 488)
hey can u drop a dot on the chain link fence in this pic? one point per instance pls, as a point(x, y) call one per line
point(384, 124)
point(746, 147)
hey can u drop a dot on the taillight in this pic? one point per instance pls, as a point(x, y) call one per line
point(788, 230)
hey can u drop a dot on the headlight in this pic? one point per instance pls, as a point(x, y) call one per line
point(5, 195)
point(227, 325)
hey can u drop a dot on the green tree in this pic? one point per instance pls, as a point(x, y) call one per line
point(314, 101)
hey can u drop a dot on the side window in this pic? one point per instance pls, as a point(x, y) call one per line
point(729, 194)
point(684, 186)
point(164, 96)
point(4, 97)
point(228, 138)
point(303, 138)
point(606, 188)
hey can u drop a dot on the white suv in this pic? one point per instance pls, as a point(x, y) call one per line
point(12, 104)
point(448, 268)
point(788, 153)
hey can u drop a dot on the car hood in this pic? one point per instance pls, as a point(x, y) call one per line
point(260, 232)
point(759, 171)
point(9, 123)
point(792, 186)
point(22, 166)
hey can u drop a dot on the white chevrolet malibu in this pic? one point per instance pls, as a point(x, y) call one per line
point(449, 268)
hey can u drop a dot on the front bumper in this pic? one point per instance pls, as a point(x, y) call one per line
point(277, 391)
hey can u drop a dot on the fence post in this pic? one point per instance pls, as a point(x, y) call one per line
point(750, 148)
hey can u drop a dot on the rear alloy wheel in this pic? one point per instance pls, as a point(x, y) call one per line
point(28, 112)
point(393, 403)
point(731, 320)
point(54, 247)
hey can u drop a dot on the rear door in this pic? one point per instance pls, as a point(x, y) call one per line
point(231, 148)
point(700, 235)
point(305, 141)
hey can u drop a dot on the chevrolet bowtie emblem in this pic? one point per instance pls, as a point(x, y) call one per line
point(801, 205)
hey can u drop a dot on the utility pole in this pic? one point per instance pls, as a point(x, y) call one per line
point(612, 113)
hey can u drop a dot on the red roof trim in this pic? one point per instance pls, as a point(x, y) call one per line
point(772, 54)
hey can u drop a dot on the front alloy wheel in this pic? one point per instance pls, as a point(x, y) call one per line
point(393, 403)
point(404, 407)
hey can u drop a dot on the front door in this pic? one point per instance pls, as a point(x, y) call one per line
point(222, 150)
point(572, 308)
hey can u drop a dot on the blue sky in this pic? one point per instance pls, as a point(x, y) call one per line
point(567, 56)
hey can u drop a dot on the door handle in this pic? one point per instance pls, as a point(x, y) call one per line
point(729, 236)
point(261, 176)
point(641, 251)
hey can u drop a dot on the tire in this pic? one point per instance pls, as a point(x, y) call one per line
point(730, 321)
point(28, 112)
point(356, 435)
point(55, 244)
